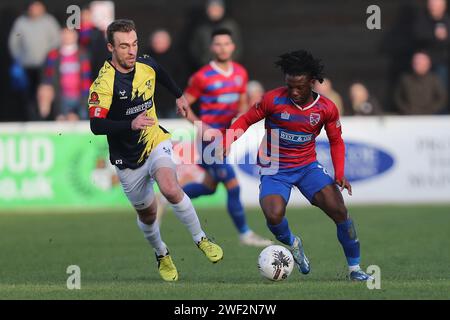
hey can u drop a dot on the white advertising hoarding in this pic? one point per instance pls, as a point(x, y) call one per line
point(388, 160)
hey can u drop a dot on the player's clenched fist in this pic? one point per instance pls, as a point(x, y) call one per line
point(142, 121)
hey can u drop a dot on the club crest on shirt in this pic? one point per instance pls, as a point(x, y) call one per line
point(314, 118)
point(94, 99)
point(238, 80)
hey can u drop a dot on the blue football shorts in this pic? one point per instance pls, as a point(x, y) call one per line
point(309, 179)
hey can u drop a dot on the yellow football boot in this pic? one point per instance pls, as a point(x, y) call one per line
point(167, 268)
point(211, 250)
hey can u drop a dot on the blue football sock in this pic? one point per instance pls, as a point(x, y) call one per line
point(282, 232)
point(346, 234)
point(236, 210)
point(194, 190)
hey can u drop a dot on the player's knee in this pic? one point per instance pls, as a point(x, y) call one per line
point(274, 214)
point(232, 184)
point(340, 214)
point(147, 216)
point(172, 192)
point(211, 186)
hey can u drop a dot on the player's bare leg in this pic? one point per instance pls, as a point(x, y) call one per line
point(274, 208)
point(330, 200)
point(209, 182)
point(185, 212)
point(146, 221)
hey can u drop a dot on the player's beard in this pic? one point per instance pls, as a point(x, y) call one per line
point(127, 65)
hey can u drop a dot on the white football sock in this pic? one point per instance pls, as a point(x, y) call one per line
point(185, 212)
point(354, 268)
point(153, 236)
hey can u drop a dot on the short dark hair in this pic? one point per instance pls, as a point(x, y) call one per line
point(120, 25)
point(301, 62)
point(220, 32)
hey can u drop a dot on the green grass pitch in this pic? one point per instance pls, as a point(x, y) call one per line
point(410, 245)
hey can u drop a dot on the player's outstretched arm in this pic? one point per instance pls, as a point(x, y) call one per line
point(337, 149)
point(238, 128)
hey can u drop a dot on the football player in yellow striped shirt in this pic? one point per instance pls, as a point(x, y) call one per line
point(122, 107)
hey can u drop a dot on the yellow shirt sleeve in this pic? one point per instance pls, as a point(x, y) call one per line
point(100, 95)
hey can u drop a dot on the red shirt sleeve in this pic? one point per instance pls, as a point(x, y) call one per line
point(256, 113)
point(337, 146)
point(195, 87)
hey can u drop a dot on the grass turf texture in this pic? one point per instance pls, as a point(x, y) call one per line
point(410, 244)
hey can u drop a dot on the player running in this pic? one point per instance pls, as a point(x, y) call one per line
point(122, 107)
point(221, 89)
point(294, 116)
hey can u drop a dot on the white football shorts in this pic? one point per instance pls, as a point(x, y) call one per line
point(138, 183)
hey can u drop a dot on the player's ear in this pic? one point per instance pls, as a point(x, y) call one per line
point(110, 47)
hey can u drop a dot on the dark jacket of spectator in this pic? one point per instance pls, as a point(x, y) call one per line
point(425, 36)
point(416, 94)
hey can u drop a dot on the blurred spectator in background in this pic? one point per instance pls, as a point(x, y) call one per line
point(201, 37)
point(420, 91)
point(32, 36)
point(255, 91)
point(92, 41)
point(363, 104)
point(326, 89)
point(431, 31)
point(66, 80)
point(398, 45)
point(160, 48)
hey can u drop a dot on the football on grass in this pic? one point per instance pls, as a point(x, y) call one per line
point(275, 263)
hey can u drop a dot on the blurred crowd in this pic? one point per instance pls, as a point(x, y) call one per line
point(53, 66)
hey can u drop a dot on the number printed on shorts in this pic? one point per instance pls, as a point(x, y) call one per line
point(323, 169)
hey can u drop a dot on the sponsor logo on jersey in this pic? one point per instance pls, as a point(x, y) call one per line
point(147, 105)
point(297, 138)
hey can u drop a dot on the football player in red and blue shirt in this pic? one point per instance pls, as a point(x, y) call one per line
point(294, 116)
point(220, 87)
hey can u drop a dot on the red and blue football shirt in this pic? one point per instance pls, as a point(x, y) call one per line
point(218, 93)
point(291, 130)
